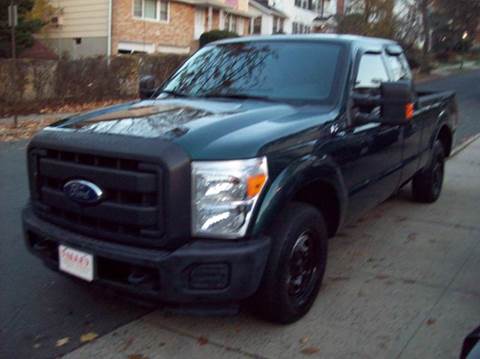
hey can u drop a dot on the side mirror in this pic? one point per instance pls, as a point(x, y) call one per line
point(397, 102)
point(146, 87)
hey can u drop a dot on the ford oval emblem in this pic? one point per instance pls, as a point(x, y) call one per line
point(84, 192)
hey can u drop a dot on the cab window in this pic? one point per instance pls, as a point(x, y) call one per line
point(371, 72)
point(399, 68)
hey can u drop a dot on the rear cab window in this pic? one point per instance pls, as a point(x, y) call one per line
point(399, 68)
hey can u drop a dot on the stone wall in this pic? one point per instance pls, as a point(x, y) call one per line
point(77, 81)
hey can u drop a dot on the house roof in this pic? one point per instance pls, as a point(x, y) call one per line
point(263, 6)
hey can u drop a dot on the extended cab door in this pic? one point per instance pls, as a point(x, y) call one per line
point(369, 154)
point(412, 130)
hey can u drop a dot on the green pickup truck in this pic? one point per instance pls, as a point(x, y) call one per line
point(225, 184)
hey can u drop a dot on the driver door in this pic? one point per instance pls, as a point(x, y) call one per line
point(372, 152)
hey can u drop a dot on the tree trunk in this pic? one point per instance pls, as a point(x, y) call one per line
point(425, 68)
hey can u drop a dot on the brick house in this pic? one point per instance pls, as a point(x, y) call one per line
point(105, 27)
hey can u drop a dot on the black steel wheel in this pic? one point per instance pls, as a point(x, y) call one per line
point(427, 184)
point(296, 265)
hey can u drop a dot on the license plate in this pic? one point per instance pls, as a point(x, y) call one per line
point(75, 262)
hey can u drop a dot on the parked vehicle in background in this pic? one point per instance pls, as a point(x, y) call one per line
point(227, 183)
point(471, 345)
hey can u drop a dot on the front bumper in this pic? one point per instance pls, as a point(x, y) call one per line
point(202, 271)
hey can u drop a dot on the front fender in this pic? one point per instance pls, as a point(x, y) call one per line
point(294, 177)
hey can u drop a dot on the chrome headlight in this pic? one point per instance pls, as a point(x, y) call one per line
point(224, 194)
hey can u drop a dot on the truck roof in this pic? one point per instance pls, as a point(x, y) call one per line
point(353, 40)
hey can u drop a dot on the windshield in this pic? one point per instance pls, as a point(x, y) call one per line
point(276, 70)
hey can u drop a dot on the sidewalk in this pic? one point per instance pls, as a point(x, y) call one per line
point(449, 69)
point(401, 283)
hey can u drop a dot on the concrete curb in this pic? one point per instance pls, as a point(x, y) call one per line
point(464, 145)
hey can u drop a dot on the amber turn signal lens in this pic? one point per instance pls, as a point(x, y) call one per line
point(255, 184)
point(409, 111)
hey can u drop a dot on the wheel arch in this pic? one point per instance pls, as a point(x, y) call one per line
point(317, 182)
point(323, 196)
point(445, 136)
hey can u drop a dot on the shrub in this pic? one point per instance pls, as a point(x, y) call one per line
point(215, 35)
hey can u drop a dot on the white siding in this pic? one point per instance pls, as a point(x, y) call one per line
point(295, 14)
point(81, 18)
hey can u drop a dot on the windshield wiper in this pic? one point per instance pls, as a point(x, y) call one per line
point(174, 93)
point(239, 96)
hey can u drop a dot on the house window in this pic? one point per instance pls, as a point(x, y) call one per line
point(125, 47)
point(277, 25)
point(304, 4)
point(156, 10)
point(227, 22)
point(231, 23)
point(257, 25)
point(298, 28)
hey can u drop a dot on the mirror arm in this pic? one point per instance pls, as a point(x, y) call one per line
point(365, 118)
point(366, 100)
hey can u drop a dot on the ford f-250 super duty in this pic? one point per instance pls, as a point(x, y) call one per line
point(225, 183)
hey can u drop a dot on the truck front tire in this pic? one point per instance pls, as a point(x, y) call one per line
point(427, 185)
point(296, 265)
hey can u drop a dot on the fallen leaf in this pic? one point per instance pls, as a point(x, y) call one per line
point(309, 350)
point(304, 340)
point(411, 237)
point(137, 356)
point(62, 342)
point(88, 337)
point(431, 321)
point(202, 341)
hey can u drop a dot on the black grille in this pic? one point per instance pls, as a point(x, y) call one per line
point(130, 210)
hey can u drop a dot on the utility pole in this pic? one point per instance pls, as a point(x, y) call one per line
point(13, 22)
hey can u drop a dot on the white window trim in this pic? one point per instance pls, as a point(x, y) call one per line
point(157, 20)
point(132, 46)
point(173, 49)
point(240, 26)
point(221, 20)
point(231, 16)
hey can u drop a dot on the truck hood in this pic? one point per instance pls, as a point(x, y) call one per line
point(206, 129)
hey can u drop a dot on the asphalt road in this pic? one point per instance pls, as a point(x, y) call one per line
point(467, 87)
point(39, 307)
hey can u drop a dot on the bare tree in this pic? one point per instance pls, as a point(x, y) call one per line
point(408, 24)
point(424, 6)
